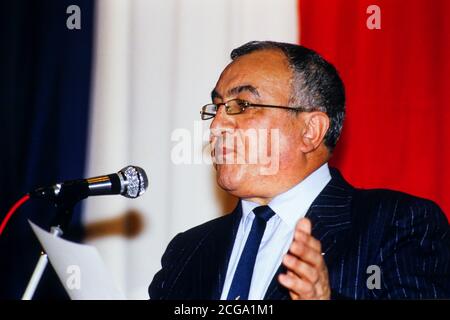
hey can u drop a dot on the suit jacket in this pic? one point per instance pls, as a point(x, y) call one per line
point(408, 238)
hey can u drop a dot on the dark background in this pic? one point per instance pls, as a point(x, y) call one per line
point(44, 100)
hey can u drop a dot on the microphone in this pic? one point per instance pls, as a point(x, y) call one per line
point(130, 182)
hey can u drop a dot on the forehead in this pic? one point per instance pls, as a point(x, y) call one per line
point(266, 70)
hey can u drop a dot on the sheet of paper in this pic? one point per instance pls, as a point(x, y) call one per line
point(79, 267)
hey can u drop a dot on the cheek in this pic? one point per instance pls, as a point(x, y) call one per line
point(289, 145)
point(253, 121)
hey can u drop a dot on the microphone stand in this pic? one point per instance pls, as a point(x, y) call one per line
point(66, 195)
point(61, 221)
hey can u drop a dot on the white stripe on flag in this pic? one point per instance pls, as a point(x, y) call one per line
point(155, 65)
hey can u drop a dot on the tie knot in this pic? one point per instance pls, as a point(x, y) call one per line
point(264, 213)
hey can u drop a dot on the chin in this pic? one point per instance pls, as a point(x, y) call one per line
point(230, 178)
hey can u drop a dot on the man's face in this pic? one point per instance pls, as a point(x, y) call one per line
point(261, 77)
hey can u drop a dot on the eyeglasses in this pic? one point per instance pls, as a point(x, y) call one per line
point(236, 106)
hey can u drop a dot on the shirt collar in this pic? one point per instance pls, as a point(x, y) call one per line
point(293, 204)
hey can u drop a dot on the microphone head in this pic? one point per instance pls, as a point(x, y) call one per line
point(134, 181)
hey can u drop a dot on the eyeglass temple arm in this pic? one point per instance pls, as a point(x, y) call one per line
point(272, 106)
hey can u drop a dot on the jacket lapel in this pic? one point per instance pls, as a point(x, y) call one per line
point(330, 214)
point(220, 245)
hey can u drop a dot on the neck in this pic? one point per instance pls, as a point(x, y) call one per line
point(266, 199)
point(260, 201)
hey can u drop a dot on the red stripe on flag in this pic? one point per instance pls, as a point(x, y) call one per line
point(398, 91)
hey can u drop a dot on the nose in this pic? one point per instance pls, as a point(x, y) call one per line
point(222, 124)
point(222, 120)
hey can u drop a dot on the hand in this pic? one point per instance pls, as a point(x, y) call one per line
point(307, 275)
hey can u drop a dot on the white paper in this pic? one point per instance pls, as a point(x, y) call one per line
point(79, 267)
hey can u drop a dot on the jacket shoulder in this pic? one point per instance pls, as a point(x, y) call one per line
point(409, 238)
point(199, 232)
point(396, 205)
point(179, 252)
point(389, 217)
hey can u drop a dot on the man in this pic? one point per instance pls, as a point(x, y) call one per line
point(300, 231)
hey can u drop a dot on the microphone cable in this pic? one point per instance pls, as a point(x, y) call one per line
point(11, 211)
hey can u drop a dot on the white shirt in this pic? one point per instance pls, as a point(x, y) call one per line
point(289, 207)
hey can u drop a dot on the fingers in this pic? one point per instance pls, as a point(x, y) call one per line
point(304, 225)
point(300, 287)
point(303, 234)
point(307, 275)
point(301, 269)
point(303, 251)
point(308, 240)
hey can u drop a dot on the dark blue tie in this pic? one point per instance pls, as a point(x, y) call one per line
point(240, 286)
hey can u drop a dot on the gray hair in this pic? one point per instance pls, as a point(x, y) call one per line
point(316, 84)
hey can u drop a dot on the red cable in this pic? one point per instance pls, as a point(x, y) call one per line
point(12, 210)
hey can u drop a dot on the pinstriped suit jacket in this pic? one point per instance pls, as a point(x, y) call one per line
point(408, 238)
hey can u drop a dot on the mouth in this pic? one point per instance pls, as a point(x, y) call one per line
point(223, 155)
point(223, 151)
point(226, 151)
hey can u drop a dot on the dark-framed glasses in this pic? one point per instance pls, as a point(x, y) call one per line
point(236, 106)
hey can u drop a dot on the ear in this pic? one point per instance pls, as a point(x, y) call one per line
point(316, 126)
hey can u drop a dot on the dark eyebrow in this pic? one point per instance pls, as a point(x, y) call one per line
point(215, 95)
point(235, 91)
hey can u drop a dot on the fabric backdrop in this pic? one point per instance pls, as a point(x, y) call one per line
point(154, 64)
point(397, 85)
point(44, 104)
